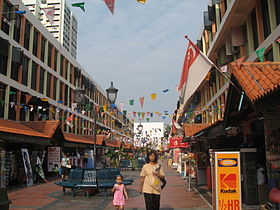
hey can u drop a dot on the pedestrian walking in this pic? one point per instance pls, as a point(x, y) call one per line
point(119, 193)
point(152, 181)
point(65, 166)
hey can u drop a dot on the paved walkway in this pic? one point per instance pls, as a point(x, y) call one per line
point(49, 196)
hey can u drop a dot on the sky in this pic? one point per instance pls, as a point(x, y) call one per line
point(141, 48)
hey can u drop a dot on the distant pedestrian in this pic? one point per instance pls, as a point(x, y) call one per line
point(65, 166)
point(152, 181)
point(119, 193)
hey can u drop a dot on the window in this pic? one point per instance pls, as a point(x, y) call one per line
point(61, 91)
point(7, 10)
point(54, 87)
point(277, 11)
point(48, 84)
point(35, 43)
point(61, 65)
point(2, 99)
point(50, 55)
point(265, 18)
point(66, 95)
point(27, 35)
point(55, 60)
point(12, 103)
point(66, 69)
point(25, 62)
point(269, 55)
point(34, 76)
point(43, 46)
point(17, 26)
point(14, 73)
point(3, 64)
point(42, 77)
point(255, 29)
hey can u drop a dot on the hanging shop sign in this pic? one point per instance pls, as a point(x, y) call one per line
point(176, 142)
point(228, 181)
point(27, 167)
point(53, 159)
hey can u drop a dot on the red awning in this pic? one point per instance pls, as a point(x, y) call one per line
point(176, 142)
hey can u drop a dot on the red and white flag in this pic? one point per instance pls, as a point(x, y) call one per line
point(110, 4)
point(196, 66)
point(49, 12)
point(69, 120)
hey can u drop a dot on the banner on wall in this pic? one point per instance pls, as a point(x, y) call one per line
point(228, 181)
point(176, 142)
point(53, 159)
point(27, 167)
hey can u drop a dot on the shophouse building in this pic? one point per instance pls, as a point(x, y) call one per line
point(38, 77)
point(234, 30)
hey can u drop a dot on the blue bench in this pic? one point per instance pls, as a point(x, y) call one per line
point(75, 177)
point(89, 181)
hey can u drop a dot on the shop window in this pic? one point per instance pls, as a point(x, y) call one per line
point(42, 78)
point(43, 46)
point(2, 99)
point(255, 29)
point(31, 116)
point(269, 55)
point(265, 18)
point(277, 11)
point(50, 55)
point(54, 87)
point(48, 84)
point(34, 76)
point(27, 35)
point(25, 62)
point(17, 56)
point(17, 26)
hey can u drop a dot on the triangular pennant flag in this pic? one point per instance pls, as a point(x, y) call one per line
point(134, 114)
point(148, 119)
point(142, 1)
point(124, 112)
point(80, 4)
point(166, 90)
point(163, 117)
point(141, 101)
point(131, 102)
point(110, 4)
point(152, 114)
point(239, 62)
point(105, 108)
point(139, 114)
point(27, 98)
point(143, 115)
point(121, 107)
point(153, 96)
point(148, 114)
point(260, 54)
point(21, 12)
point(44, 99)
point(49, 12)
point(224, 68)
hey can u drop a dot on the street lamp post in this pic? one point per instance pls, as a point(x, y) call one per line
point(80, 99)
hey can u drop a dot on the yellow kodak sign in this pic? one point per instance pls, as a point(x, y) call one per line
point(228, 181)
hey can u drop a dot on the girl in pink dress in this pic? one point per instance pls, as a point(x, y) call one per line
point(119, 193)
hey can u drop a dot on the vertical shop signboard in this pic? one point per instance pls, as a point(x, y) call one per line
point(228, 181)
point(27, 167)
point(53, 159)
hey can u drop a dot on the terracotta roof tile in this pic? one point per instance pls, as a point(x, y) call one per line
point(257, 79)
point(18, 128)
point(191, 129)
point(46, 127)
point(78, 138)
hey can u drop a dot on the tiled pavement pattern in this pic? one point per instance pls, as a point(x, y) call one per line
point(49, 196)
